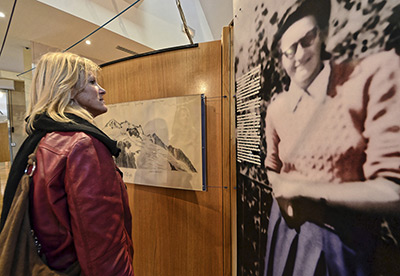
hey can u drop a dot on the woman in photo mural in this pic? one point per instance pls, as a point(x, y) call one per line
point(333, 153)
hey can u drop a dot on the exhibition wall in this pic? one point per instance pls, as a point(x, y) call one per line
point(181, 232)
point(317, 88)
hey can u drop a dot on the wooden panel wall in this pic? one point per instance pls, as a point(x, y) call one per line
point(178, 232)
point(229, 148)
point(4, 143)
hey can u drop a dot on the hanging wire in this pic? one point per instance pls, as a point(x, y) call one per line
point(8, 27)
point(178, 4)
point(76, 43)
point(130, 6)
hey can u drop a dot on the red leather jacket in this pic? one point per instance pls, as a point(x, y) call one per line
point(80, 207)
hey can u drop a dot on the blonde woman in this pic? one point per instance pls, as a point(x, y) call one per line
point(79, 204)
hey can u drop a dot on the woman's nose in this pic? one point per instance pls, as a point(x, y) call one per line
point(300, 53)
point(102, 90)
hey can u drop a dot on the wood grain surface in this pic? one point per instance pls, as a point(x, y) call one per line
point(4, 143)
point(179, 232)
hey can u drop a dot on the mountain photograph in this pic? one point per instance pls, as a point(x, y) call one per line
point(140, 150)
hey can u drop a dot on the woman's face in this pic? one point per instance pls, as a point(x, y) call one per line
point(91, 97)
point(301, 51)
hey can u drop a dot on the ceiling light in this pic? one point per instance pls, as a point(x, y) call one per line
point(2, 14)
point(88, 42)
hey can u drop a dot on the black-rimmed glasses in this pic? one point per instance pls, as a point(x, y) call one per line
point(305, 41)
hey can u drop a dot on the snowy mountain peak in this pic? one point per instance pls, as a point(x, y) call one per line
point(113, 124)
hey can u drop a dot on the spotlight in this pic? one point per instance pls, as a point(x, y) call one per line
point(88, 42)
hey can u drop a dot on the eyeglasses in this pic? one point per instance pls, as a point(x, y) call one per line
point(305, 41)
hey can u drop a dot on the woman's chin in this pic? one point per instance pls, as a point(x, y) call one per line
point(98, 112)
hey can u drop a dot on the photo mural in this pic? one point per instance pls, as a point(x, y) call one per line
point(161, 141)
point(318, 136)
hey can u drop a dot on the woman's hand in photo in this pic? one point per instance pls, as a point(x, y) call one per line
point(296, 208)
point(287, 194)
point(283, 187)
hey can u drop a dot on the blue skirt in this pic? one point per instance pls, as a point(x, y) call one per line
point(345, 249)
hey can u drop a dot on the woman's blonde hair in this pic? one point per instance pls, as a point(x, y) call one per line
point(58, 78)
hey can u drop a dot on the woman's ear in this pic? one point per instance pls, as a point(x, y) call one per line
point(72, 95)
point(74, 91)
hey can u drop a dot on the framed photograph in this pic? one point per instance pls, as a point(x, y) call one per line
point(162, 141)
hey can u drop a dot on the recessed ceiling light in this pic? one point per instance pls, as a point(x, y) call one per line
point(2, 14)
point(88, 42)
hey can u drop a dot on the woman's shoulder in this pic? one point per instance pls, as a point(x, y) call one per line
point(63, 142)
point(279, 101)
point(278, 98)
point(380, 61)
point(382, 57)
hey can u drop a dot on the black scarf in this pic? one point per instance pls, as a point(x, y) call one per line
point(43, 124)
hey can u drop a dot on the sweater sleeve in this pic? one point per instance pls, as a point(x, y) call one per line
point(272, 160)
point(96, 196)
point(382, 125)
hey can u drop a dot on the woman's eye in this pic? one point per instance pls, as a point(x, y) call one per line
point(92, 81)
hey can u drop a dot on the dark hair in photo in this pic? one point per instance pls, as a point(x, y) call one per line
point(320, 9)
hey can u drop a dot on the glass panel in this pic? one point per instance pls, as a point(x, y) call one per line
point(4, 143)
point(3, 106)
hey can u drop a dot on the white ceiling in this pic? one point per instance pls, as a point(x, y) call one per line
point(39, 26)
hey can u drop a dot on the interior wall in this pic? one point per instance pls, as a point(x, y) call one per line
point(179, 232)
point(17, 104)
point(17, 116)
point(4, 143)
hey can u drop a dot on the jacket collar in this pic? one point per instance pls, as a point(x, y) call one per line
point(43, 123)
